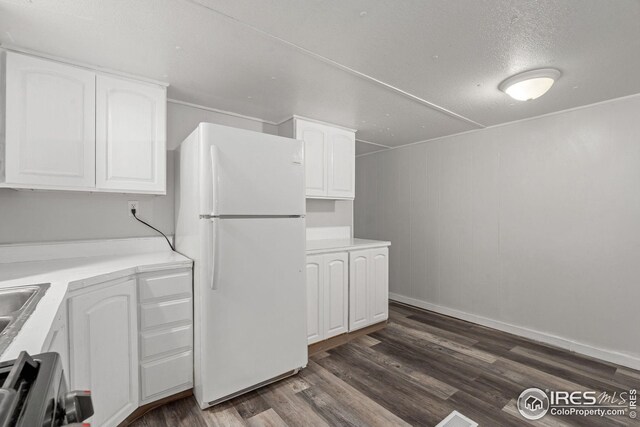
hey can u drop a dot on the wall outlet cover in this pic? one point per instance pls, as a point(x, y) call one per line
point(133, 204)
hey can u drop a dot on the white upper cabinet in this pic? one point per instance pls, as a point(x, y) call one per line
point(50, 124)
point(130, 135)
point(314, 138)
point(341, 163)
point(72, 128)
point(329, 158)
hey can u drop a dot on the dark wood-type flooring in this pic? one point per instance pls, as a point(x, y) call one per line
point(415, 371)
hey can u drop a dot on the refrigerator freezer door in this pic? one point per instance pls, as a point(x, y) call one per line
point(253, 318)
point(249, 173)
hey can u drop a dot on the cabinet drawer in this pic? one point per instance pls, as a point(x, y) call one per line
point(165, 374)
point(162, 313)
point(171, 285)
point(154, 343)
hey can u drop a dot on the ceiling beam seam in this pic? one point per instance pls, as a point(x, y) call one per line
point(345, 68)
point(215, 110)
point(372, 143)
point(499, 125)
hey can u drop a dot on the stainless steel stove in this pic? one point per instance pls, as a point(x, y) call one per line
point(34, 393)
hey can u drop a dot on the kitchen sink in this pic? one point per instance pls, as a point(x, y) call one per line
point(4, 322)
point(16, 305)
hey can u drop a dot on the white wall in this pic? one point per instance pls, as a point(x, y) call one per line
point(183, 119)
point(531, 227)
point(329, 213)
point(42, 216)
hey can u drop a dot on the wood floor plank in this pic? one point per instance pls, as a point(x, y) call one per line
point(422, 380)
point(364, 407)
point(294, 410)
point(386, 389)
point(296, 383)
point(628, 372)
point(400, 310)
point(268, 418)
point(335, 412)
point(443, 342)
point(250, 404)
point(223, 415)
point(592, 379)
point(527, 376)
point(477, 410)
point(547, 421)
point(178, 413)
point(414, 371)
point(366, 340)
point(443, 333)
point(434, 362)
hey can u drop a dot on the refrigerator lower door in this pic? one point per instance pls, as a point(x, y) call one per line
point(252, 322)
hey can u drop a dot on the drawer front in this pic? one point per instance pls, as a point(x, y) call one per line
point(165, 374)
point(164, 313)
point(174, 285)
point(155, 343)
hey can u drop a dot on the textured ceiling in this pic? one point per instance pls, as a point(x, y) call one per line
point(398, 71)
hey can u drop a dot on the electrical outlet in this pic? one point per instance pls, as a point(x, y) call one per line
point(133, 204)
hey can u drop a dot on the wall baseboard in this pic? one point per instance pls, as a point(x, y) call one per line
point(564, 343)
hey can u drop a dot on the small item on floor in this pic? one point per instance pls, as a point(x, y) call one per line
point(456, 419)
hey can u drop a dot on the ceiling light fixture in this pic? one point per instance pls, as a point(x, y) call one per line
point(530, 84)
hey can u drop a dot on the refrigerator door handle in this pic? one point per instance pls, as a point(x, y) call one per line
point(212, 254)
point(214, 154)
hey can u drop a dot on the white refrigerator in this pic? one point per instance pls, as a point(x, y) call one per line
point(240, 204)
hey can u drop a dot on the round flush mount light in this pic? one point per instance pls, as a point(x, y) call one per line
point(530, 84)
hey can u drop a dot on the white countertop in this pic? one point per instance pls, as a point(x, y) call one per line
point(69, 274)
point(334, 245)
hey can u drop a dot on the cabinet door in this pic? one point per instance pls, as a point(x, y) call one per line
point(379, 286)
point(315, 157)
point(50, 124)
point(104, 351)
point(130, 136)
point(336, 294)
point(341, 165)
point(359, 272)
point(58, 342)
point(315, 273)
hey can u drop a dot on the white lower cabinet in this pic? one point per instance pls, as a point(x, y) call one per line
point(346, 291)
point(327, 296)
point(104, 349)
point(315, 303)
point(379, 298)
point(130, 341)
point(166, 334)
point(359, 284)
point(336, 294)
point(368, 287)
